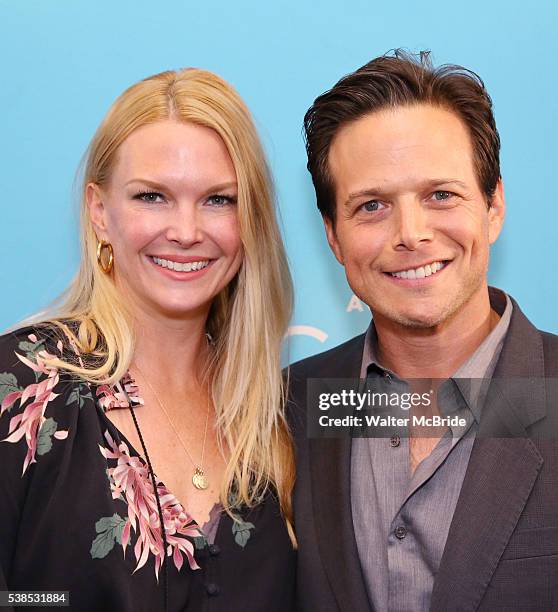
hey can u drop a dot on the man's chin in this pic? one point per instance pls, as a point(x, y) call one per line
point(414, 319)
point(420, 322)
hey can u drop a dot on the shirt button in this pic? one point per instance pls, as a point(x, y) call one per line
point(212, 589)
point(394, 441)
point(214, 550)
point(400, 532)
point(387, 377)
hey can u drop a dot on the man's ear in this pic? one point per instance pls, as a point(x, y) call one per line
point(496, 213)
point(97, 211)
point(332, 239)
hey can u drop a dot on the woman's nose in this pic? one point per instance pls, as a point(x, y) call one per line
point(185, 226)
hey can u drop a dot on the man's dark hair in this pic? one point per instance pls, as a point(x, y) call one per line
point(401, 79)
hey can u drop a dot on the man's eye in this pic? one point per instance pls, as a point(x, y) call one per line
point(371, 206)
point(151, 197)
point(221, 200)
point(440, 196)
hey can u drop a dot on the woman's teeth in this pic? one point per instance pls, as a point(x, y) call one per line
point(421, 272)
point(191, 266)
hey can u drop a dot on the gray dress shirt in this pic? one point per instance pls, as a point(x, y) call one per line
point(401, 520)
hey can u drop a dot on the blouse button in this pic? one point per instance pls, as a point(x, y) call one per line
point(212, 589)
point(214, 550)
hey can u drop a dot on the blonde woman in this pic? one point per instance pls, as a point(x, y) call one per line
point(145, 460)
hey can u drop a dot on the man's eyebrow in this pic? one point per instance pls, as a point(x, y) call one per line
point(381, 192)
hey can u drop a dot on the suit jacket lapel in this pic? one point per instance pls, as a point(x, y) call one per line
point(330, 469)
point(500, 475)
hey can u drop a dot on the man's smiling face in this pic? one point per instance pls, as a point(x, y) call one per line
point(412, 226)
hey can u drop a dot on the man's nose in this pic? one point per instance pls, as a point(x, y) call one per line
point(412, 226)
point(185, 225)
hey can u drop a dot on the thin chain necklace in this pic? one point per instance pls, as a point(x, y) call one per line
point(199, 479)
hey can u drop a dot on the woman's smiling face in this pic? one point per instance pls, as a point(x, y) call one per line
point(169, 212)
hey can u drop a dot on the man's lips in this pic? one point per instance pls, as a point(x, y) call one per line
point(425, 270)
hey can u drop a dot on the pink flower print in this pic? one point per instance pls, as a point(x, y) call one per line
point(131, 481)
point(113, 397)
point(29, 422)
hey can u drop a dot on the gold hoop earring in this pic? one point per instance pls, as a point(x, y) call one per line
point(106, 266)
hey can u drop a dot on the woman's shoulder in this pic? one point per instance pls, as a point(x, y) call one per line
point(23, 353)
point(35, 396)
point(45, 341)
point(32, 369)
point(46, 350)
point(30, 339)
point(28, 356)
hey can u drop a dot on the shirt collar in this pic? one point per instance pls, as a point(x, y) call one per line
point(480, 364)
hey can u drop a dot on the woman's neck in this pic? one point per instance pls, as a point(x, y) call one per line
point(172, 352)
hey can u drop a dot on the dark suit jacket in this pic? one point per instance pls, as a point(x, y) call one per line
point(502, 547)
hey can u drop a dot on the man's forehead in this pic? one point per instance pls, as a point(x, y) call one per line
point(411, 144)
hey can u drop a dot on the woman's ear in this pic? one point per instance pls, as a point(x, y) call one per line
point(97, 212)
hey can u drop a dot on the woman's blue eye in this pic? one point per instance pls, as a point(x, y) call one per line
point(221, 200)
point(442, 195)
point(151, 197)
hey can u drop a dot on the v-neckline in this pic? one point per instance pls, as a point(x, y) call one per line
point(137, 400)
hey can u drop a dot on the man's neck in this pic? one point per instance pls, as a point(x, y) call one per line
point(435, 352)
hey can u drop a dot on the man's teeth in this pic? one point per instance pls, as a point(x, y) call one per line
point(191, 266)
point(421, 272)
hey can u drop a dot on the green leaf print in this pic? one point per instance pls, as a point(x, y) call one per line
point(30, 348)
point(79, 395)
point(44, 440)
point(241, 530)
point(200, 542)
point(8, 384)
point(110, 530)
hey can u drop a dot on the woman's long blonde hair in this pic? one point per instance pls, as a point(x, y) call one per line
point(247, 320)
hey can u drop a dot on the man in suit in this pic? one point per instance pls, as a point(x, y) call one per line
point(404, 158)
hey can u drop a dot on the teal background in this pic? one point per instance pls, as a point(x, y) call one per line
point(65, 61)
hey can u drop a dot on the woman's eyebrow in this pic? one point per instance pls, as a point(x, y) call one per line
point(162, 185)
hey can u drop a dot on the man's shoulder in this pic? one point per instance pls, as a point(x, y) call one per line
point(550, 340)
point(340, 361)
point(550, 348)
point(527, 350)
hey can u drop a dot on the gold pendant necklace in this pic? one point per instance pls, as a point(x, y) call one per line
point(199, 479)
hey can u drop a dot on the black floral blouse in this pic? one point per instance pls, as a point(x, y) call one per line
point(78, 511)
